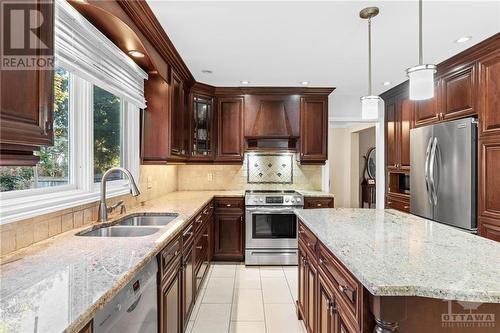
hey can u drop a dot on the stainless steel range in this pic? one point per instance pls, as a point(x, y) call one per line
point(271, 227)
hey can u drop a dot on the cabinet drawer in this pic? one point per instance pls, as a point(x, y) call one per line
point(308, 238)
point(229, 204)
point(344, 283)
point(310, 203)
point(399, 204)
point(168, 255)
point(188, 235)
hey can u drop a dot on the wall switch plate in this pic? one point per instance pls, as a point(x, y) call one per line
point(150, 182)
point(210, 177)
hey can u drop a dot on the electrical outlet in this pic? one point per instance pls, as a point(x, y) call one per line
point(210, 177)
point(150, 182)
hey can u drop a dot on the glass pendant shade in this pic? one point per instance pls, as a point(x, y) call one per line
point(370, 106)
point(421, 81)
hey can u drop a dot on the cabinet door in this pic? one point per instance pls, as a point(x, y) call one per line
point(342, 325)
point(177, 119)
point(458, 93)
point(426, 111)
point(155, 123)
point(301, 302)
point(171, 297)
point(312, 273)
point(27, 101)
point(489, 94)
point(392, 155)
point(187, 284)
point(407, 110)
point(201, 128)
point(228, 242)
point(313, 129)
point(325, 307)
point(230, 129)
point(489, 184)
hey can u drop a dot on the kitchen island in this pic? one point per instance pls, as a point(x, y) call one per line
point(409, 273)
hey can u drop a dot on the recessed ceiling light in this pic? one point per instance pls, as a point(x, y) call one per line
point(135, 54)
point(387, 83)
point(304, 83)
point(245, 82)
point(206, 71)
point(463, 39)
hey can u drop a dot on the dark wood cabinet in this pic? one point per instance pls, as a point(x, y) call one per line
point(401, 203)
point(87, 328)
point(178, 118)
point(188, 280)
point(399, 112)
point(201, 129)
point(229, 231)
point(313, 129)
point(171, 299)
point(230, 145)
point(330, 298)
point(27, 102)
point(427, 111)
point(458, 93)
point(489, 94)
point(318, 202)
point(228, 242)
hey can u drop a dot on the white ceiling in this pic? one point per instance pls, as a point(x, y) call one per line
point(283, 43)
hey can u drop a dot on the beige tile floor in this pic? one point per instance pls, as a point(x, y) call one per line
point(253, 299)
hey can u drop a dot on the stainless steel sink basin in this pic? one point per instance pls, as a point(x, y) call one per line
point(148, 220)
point(120, 231)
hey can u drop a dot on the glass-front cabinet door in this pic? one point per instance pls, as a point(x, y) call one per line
point(201, 129)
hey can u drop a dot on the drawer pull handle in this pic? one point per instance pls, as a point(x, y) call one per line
point(322, 261)
point(406, 207)
point(228, 205)
point(332, 308)
point(319, 205)
point(199, 247)
point(344, 289)
point(205, 235)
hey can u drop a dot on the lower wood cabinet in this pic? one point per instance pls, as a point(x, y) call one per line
point(229, 229)
point(330, 299)
point(318, 202)
point(184, 264)
point(398, 203)
point(171, 300)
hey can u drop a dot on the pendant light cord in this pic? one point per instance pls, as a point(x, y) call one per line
point(369, 56)
point(420, 48)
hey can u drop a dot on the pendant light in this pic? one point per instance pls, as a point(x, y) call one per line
point(370, 104)
point(421, 76)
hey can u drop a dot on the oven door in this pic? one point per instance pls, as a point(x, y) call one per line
point(271, 228)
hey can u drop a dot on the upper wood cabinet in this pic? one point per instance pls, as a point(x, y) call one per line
point(313, 129)
point(458, 93)
point(230, 145)
point(399, 111)
point(489, 94)
point(427, 111)
point(27, 102)
point(178, 119)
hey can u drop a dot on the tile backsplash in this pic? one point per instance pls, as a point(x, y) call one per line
point(235, 177)
point(270, 168)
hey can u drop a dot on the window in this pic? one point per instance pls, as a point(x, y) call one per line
point(107, 133)
point(98, 95)
point(53, 168)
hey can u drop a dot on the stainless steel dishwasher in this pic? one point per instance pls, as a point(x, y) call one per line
point(134, 308)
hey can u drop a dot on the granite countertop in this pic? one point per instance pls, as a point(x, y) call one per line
point(310, 193)
point(396, 254)
point(59, 284)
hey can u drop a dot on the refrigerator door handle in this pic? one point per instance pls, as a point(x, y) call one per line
point(426, 170)
point(432, 164)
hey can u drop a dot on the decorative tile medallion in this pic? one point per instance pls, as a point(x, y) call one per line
point(270, 168)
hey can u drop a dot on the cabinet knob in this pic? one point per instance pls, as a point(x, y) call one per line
point(228, 205)
point(406, 207)
point(319, 205)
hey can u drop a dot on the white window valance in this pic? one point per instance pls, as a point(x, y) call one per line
point(82, 48)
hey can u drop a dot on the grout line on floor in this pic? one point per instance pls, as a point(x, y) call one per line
point(262, 297)
point(232, 302)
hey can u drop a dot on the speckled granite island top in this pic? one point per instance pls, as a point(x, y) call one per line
point(59, 284)
point(397, 254)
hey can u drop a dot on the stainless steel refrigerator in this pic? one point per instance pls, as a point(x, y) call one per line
point(443, 174)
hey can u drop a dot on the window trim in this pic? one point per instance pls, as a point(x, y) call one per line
point(23, 204)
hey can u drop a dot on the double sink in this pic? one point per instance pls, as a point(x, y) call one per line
point(136, 225)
